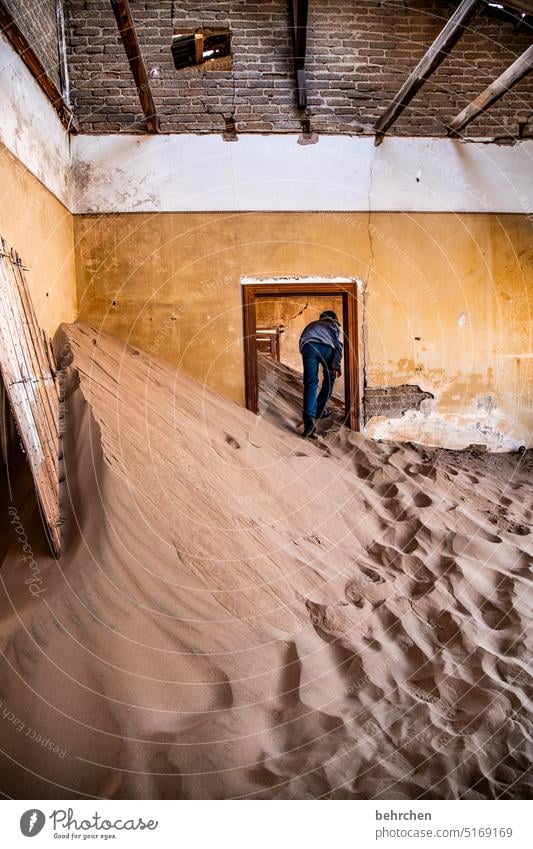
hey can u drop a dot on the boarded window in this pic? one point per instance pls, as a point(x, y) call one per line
point(30, 386)
point(205, 48)
point(267, 341)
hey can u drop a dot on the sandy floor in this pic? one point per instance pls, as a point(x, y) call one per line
point(239, 612)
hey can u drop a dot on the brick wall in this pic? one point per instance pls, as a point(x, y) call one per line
point(37, 20)
point(359, 53)
point(392, 401)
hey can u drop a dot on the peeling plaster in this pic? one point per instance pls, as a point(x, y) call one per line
point(30, 128)
point(393, 402)
point(427, 427)
point(301, 281)
point(201, 173)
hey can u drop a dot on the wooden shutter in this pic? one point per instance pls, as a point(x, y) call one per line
point(31, 388)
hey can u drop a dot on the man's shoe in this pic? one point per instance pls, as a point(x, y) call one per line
point(309, 428)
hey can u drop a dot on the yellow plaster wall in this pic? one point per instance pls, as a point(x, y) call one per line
point(39, 227)
point(446, 301)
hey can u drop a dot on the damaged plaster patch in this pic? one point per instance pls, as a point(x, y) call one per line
point(428, 427)
point(461, 321)
point(30, 128)
point(308, 138)
point(393, 401)
point(246, 281)
point(203, 173)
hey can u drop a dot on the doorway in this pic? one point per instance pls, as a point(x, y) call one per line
point(256, 294)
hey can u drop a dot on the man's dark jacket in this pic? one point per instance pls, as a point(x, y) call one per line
point(325, 331)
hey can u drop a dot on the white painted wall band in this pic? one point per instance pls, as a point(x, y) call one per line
point(30, 127)
point(203, 173)
point(190, 173)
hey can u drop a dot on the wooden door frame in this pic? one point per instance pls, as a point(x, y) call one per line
point(347, 290)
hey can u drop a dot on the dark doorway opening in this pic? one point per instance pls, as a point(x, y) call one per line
point(253, 293)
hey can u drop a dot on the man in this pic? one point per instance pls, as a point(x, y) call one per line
point(320, 344)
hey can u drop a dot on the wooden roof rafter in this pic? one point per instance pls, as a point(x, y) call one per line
point(510, 77)
point(434, 56)
point(128, 33)
point(11, 30)
point(525, 6)
point(300, 13)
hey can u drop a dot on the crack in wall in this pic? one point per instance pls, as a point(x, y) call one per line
point(364, 319)
point(306, 306)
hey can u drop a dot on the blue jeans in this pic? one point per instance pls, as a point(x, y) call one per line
point(313, 355)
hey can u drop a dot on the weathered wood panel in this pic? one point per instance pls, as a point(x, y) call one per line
point(31, 388)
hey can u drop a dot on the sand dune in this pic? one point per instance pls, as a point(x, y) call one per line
point(241, 613)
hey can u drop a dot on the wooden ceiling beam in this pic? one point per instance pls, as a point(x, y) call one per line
point(520, 67)
point(62, 52)
point(520, 5)
point(300, 10)
point(11, 30)
point(431, 60)
point(128, 33)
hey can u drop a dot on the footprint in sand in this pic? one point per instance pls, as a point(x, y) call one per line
point(505, 524)
point(352, 591)
point(410, 588)
point(231, 441)
point(398, 562)
point(413, 566)
point(517, 528)
point(396, 509)
point(435, 701)
point(447, 631)
point(369, 586)
point(325, 620)
point(372, 575)
point(425, 470)
point(420, 499)
point(386, 490)
point(314, 539)
point(496, 619)
point(372, 586)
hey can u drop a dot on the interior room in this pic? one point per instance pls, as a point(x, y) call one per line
point(214, 584)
